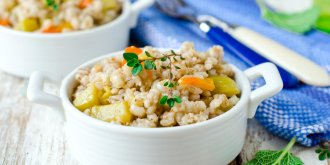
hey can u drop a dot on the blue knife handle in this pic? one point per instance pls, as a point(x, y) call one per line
point(243, 52)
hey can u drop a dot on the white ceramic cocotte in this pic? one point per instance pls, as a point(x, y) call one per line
point(213, 142)
point(22, 53)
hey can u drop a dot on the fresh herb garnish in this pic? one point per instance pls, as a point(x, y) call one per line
point(323, 150)
point(281, 157)
point(149, 64)
point(52, 4)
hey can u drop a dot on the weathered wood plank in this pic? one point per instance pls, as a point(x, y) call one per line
point(29, 133)
point(34, 134)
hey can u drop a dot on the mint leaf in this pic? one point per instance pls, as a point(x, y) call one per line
point(163, 100)
point(148, 65)
point(323, 151)
point(319, 150)
point(171, 85)
point(170, 102)
point(148, 54)
point(132, 62)
point(323, 154)
point(163, 59)
point(130, 56)
point(281, 157)
point(137, 69)
point(172, 51)
point(166, 83)
point(177, 99)
point(52, 3)
point(176, 67)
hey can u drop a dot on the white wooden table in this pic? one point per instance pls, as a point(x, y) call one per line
point(33, 134)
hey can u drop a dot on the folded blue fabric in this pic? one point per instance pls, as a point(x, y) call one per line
point(303, 112)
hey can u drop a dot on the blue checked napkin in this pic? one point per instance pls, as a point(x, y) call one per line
point(303, 112)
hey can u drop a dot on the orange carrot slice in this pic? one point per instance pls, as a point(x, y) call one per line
point(4, 22)
point(123, 62)
point(206, 83)
point(57, 28)
point(53, 29)
point(131, 49)
point(85, 3)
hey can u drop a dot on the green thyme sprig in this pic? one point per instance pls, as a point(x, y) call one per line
point(323, 150)
point(52, 4)
point(149, 64)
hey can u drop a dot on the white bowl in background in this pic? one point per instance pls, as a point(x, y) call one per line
point(22, 53)
point(216, 141)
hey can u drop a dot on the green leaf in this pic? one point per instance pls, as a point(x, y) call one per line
point(148, 64)
point(176, 67)
point(322, 156)
point(130, 56)
point(171, 85)
point(164, 67)
point(323, 150)
point(163, 100)
point(182, 58)
point(264, 157)
point(172, 51)
point(148, 54)
point(52, 3)
point(137, 69)
point(281, 157)
point(318, 150)
point(170, 102)
point(132, 62)
point(175, 59)
point(163, 59)
point(177, 99)
point(166, 83)
point(291, 160)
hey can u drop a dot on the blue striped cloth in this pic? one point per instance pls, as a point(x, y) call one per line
point(303, 112)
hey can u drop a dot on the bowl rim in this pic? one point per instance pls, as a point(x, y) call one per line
point(68, 84)
point(124, 15)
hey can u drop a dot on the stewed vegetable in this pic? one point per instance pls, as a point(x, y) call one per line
point(225, 85)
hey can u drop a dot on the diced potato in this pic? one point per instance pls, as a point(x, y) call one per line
point(225, 85)
point(226, 108)
point(29, 25)
point(106, 93)
point(87, 98)
point(66, 25)
point(109, 4)
point(143, 56)
point(113, 112)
